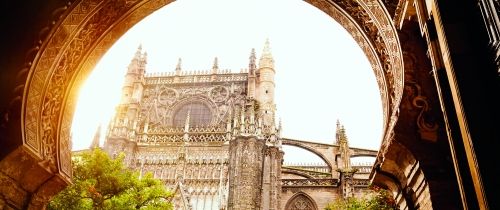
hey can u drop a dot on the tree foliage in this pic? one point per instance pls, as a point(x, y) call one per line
point(376, 199)
point(100, 182)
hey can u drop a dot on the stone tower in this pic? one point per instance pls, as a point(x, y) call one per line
point(123, 129)
point(255, 150)
point(265, 91)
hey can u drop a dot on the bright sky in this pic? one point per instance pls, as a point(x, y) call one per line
point(321, 73)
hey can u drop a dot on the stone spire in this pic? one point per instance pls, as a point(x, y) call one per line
point(266, 86)
point(215, 67)
point(267, 49)
point(144, 57)
point(266, 59)
point(97, 137)
point(252, 80)
point(138, 53)
point(337, 133)
point(138, 62)
point(345, 169)
point(343, 146)
point(252, 66)
point(178, 67)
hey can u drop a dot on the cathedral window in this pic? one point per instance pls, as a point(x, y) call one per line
point(199, 115)
point(300, 202)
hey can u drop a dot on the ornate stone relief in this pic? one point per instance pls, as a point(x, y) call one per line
point(371, 26)
point(161, 102)
point(90, 27)
point(414, 99)
point(219, 94)
point(167, 96)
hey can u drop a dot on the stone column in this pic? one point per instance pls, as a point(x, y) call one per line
point(245, 172)
point(271, 183)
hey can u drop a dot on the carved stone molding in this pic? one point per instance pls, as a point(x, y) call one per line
point(89, 27)
point(370, 24)
point(426, 125)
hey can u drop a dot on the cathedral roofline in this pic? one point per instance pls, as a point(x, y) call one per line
point(194, 73)
point(192, 77)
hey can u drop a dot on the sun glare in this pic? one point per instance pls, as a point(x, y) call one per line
point(321, 73)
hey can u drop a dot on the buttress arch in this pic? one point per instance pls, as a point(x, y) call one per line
point(81, 32)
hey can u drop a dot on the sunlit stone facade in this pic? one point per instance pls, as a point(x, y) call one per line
point(212, 138)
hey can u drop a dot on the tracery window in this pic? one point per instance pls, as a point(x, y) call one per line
point(300, 202)
point(199, 115)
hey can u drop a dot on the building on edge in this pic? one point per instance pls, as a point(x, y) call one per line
point(213, 139)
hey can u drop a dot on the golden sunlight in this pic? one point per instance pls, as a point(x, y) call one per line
point(309, 48)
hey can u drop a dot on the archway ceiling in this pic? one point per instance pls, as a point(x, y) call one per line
point(81, 32)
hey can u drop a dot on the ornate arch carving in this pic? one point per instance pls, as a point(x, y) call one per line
point(86, 29)
point(301, 201)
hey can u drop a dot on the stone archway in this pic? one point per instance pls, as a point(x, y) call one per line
point(52, 45)
point(79, 35)
point(88, 29)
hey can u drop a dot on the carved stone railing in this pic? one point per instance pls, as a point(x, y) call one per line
point(360, 182)
point(363, 169)
point(193, 137)
point(193, 77)
point(319, 172)
point(309, 182)
point(160, 135)
point(192, 181)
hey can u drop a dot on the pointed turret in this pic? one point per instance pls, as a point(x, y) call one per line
point(266, 59)
point(215, 67)
point(138, 53)
point(97, 138)
point(343, 144)
point(138, 62)
point(252, 66)
point(252, 79)
point(132, 85)
point(144, 59)
point(265, 81)
point(178, 67)
point(123, 126)
point(337, 133)
point(345, 169)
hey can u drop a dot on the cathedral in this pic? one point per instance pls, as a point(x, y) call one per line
point(437, 64)
point(213, 139)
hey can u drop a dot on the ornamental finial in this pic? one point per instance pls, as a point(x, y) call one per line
point(178, 67)
point(266, 59)
point(252, 65)
point(215, 67)
point(267, 48)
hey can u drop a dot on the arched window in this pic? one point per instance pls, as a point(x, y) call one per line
point(199, 115)
point(300, 201)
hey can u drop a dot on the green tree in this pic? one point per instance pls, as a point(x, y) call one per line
point(100, 182)
point(376, 199)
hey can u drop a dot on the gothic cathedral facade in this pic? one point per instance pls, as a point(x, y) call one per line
point(213, 139)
